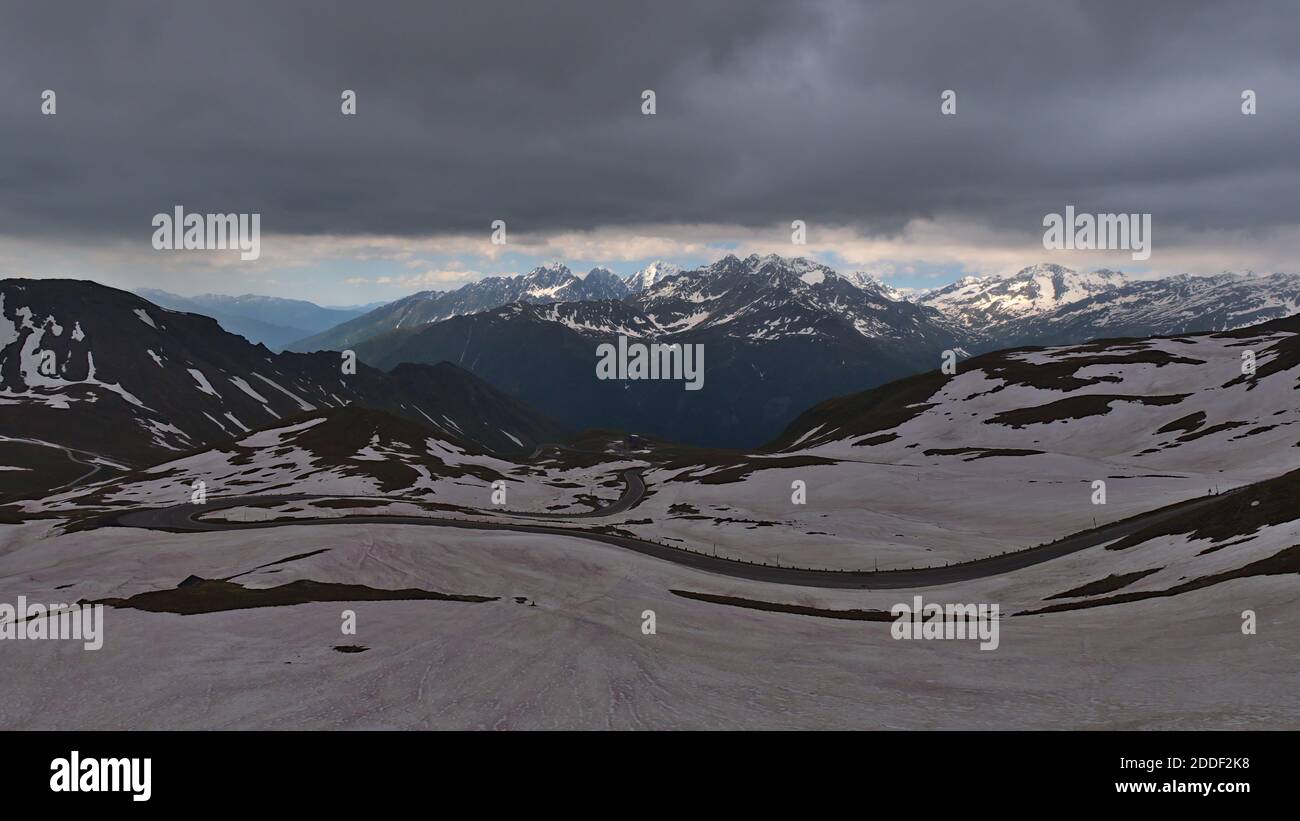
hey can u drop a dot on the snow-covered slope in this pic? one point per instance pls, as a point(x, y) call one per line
point(97, 377)
point(354, 452)
point(1171, 402)
point(1005, 453)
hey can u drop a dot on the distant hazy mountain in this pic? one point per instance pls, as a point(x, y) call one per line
point(547, 283)
point(273, 321)
point(359, 309)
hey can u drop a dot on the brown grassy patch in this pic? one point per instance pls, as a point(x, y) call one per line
point(776, 607)
point(195, 596)
point(736, 473)
point(981, 453)
point(1187, 423)
point(1287, 561)
point(1075, 407)
point(1237, 514)
point(1109, 584)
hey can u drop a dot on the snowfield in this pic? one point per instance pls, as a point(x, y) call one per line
point(570, 652)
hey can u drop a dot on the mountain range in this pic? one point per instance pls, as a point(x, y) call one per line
point(775, 333)
point(1161, 307)
point(1052, 305)
point(982, 306)
point(95, 378)
point(508, 362)
point(553, 282)
point(779, 332)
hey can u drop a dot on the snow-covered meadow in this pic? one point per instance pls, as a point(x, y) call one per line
point(570, 652)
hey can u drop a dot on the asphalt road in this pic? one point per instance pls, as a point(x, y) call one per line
point(183, 518)
point(633, 490)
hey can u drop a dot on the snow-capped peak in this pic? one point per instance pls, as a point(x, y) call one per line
point(777, 267)
point(653, 273)
point(869, 282)
point(550, 270)
point(547, 279)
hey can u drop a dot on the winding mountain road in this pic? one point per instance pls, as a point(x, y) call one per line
point(71, 453)
point(185, 518)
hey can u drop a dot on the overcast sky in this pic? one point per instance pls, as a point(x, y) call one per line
point(530, 112)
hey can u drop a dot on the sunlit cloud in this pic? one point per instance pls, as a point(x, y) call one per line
point(341, 268)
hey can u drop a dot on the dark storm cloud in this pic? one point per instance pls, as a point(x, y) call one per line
point(530, 112)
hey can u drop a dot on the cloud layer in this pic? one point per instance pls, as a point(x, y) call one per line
point(825, 111)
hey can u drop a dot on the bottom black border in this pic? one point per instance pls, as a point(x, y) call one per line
point(337, 770)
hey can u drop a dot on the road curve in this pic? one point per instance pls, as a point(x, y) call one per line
point(72, 457)
point(633, 490)
point(183, 518)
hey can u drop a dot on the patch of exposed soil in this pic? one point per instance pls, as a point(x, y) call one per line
point(1186, 424)
point(1213, 429)
point(872, 441)
point(1109, 584)
point(285, 560)
point(1076, 407)
point(196, 595)
point(981, 453)
point(1244, 511)
point(776, 607)
point(1287, 561)
point(740, 472)
point(1059, 374)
